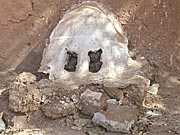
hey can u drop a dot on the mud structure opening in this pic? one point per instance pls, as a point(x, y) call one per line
point(71, 61)
point(95, 61)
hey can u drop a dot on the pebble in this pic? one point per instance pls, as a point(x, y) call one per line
point(76, 128)
point(2, 125)
point(114, 101)
point(81, 122)
point(153, 89)
point(153, 113)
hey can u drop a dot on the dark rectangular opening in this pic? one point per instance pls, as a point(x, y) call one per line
point(71, 61)
point(95, 61)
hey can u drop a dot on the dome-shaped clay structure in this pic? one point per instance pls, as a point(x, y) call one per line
point(88, 46)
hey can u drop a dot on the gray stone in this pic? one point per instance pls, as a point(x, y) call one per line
point(76, 128)
point(153, 89)
point(58, 108)
point(61, 104)
point(92, 94)
point(91, 102)
point(2, 125)
point(116, 118)
point(81, 122)
point(46, 88)
point(153, 113)
point(114, 101)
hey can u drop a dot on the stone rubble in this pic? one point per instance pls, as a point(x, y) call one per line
point(116, 118)
point(114, 114)
point(24, 96)
point(91, 102)
point(61, 104)
point(57, 108)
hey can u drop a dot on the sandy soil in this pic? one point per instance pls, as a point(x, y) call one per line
point(153, 31)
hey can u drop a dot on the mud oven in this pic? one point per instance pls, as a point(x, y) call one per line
point(89, 46)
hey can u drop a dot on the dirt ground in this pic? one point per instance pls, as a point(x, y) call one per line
point(153, 31)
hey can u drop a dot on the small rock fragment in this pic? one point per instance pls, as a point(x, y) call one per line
point(2, 90)
point(92, 94)
point(114, 101)
point(89, 124)
point(76, 128)
point(26, 77)
point(115, 93)
point(153, 89)
point(45, 86)
point(81, 122)
point(46, 89)
point(20, 122)
point(152, 113)
point(2, 125)
point(8, 119)
point(133, 96)
point(116, 118)
point(69, 121)
point(90, 102)
point(56, 108)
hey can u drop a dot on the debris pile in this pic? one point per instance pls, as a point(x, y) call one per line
point(24, 95)
point(114, 110)
point(117, 118)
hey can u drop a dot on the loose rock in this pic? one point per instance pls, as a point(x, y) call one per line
point(153, 113)
point(20, 122)
point(61, 104)
point(116, 118)
point(114, 101)
point(2, 124)
point(91, 102)
point(81, 122)
point(58, 109)
point(24, 98)
point(26, 77)
point(46, 89)
point(133, 96)
point(153, 89)
point(115, 93)
point(76, 128)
